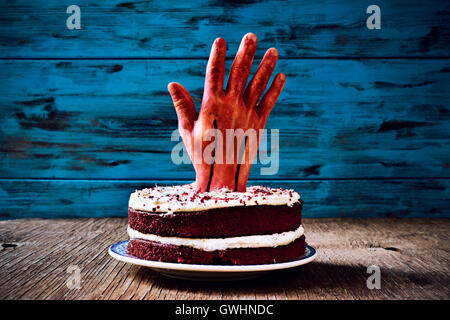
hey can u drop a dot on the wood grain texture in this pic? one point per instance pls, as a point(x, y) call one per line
point(310, 28)
point(114, 119)
point(323, 198)
point(413, 256)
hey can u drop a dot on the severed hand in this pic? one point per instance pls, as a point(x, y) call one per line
point(219, 164)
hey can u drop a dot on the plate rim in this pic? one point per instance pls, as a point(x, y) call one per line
point(211, 268)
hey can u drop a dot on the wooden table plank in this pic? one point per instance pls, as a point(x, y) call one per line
point(118, 28)
point(413, 255)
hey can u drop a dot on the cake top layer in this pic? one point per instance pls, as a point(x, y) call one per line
point(185, 198)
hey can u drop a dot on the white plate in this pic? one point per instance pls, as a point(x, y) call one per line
point(208, 272)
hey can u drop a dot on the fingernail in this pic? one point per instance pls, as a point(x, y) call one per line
point(170, 87)
point(274, 52)
point(250, 37)
point(220, 42)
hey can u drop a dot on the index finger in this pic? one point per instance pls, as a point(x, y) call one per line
point(215, 71)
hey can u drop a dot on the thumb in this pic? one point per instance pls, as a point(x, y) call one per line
point(184, 106)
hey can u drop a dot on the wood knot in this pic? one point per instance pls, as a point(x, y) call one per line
point(8, 245)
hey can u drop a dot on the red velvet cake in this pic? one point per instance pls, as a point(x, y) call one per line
point(180, 224)
point(218, 219)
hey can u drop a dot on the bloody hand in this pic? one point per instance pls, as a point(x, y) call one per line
point(236, 107)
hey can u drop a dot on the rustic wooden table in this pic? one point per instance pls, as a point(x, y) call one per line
point(413, 255)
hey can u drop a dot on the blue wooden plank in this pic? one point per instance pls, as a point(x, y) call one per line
point(332, 198)
point(119, 28)
point(113, 119)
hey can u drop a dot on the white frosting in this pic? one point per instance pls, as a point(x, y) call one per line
point(212, 244)
point(185, 198)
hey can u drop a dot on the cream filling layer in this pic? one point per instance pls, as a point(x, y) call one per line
point(212, 244)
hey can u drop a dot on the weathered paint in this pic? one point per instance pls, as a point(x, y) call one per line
point(312, 28)
point(337, 119)
point(86, 117)
point(329, 198)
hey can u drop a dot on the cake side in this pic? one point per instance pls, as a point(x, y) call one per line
point(220, 222)
point(156, 251)
point(262, 225)
point(212, 244)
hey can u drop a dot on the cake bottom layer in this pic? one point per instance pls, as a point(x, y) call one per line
point(156, 251)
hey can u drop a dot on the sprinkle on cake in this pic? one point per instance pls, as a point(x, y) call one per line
point(185, 198)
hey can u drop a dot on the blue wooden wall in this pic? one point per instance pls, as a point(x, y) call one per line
point(364, 118)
